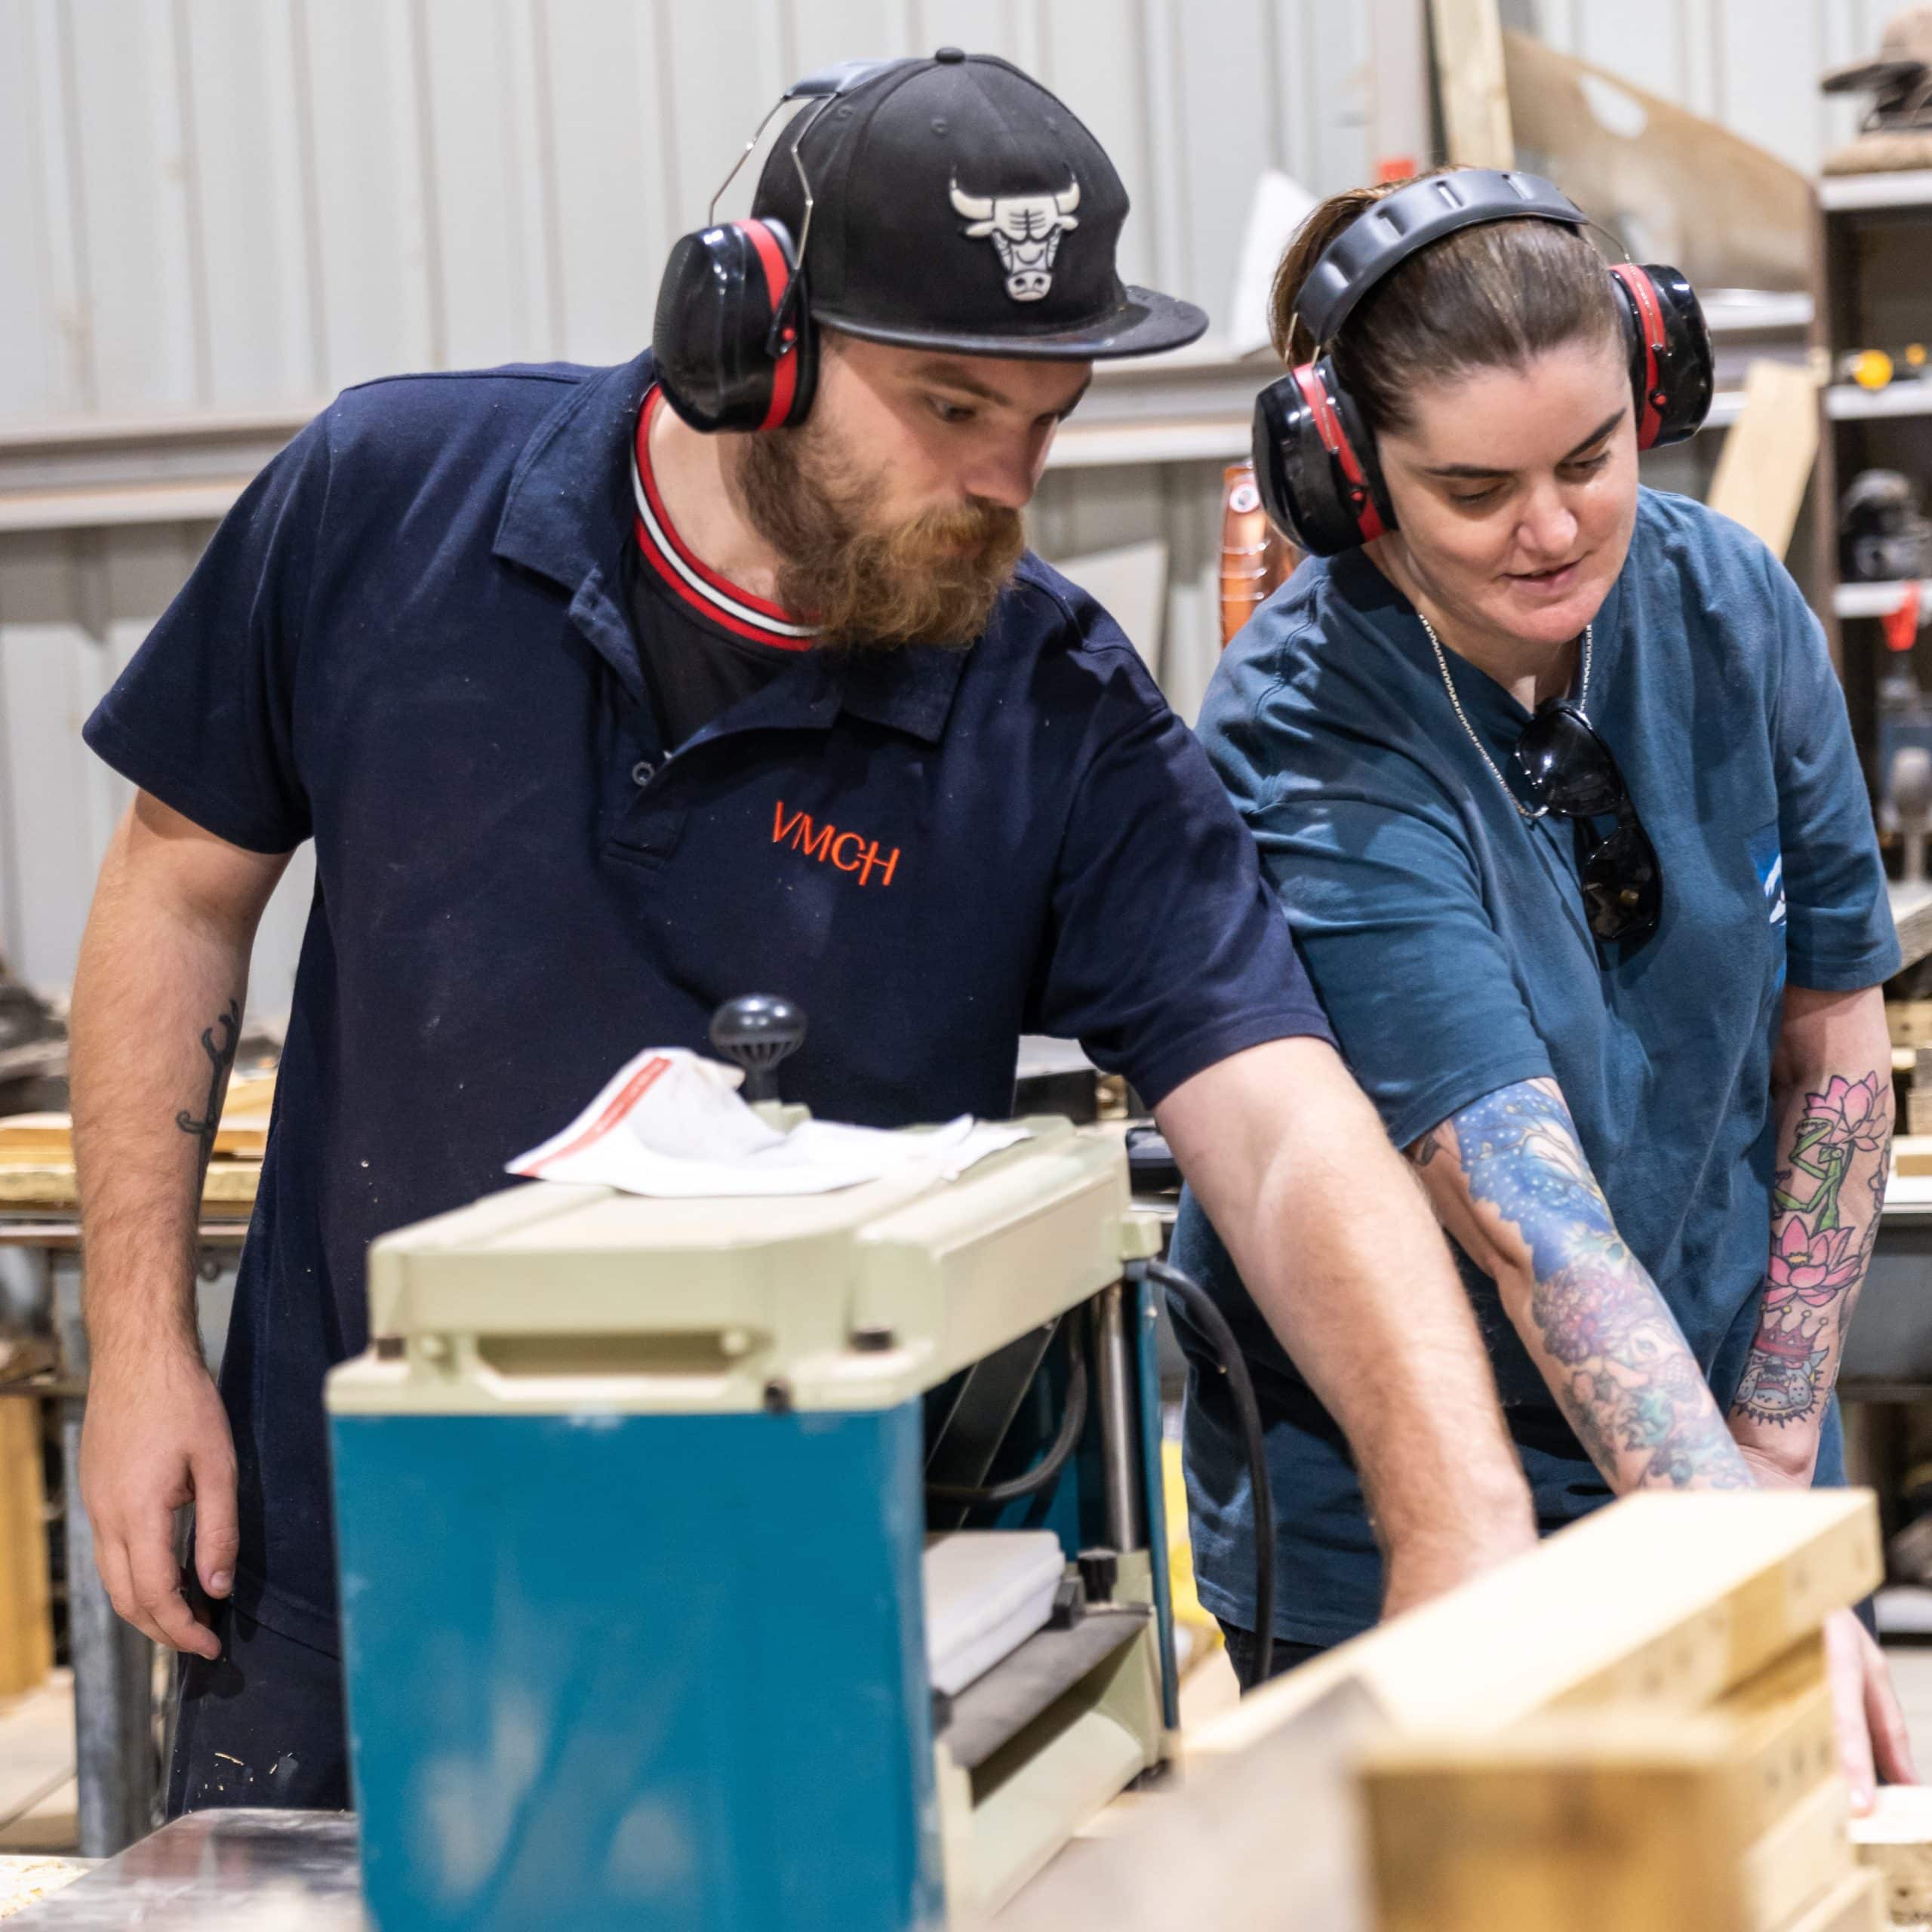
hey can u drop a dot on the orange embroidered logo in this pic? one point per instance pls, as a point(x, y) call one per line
point(849, 851)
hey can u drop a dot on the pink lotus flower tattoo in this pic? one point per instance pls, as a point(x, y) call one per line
point(1848, 1114)
point(1850, 1117)
point(1813, 1268)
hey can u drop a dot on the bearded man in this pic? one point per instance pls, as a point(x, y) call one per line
point(596, 721)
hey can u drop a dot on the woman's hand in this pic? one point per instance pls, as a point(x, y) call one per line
point(1871, 1727)
point(1873, 1742)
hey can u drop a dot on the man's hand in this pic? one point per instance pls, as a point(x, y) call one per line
point(156, 1437)
point(1424, 1569)
point(157, 1012)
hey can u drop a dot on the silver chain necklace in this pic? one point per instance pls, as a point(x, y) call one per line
point(1449, 685)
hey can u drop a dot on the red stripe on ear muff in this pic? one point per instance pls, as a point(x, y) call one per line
point(1335, 440)
point(1649, 322)
point(777, 281)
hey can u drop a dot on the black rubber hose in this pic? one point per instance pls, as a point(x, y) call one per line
point(1203, 1312)
point(1072, 1423)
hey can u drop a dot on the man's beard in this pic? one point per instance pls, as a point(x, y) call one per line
point(932, 579)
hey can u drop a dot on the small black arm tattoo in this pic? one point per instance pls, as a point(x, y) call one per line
point(221, 1061)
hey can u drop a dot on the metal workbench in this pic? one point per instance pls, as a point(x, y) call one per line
point(219, 1872)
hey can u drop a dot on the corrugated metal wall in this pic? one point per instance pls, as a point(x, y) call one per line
point(220, 205)
point(215, 203)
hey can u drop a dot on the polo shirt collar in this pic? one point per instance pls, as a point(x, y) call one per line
point(908, 690)
point(567, 513)
point(568, 516)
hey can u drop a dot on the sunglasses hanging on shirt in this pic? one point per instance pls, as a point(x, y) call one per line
point(1571, 773)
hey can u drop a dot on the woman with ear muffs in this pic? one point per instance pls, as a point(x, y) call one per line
point(1554, 780)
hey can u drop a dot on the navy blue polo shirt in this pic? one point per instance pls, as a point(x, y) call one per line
point(407, 642)
point(1446, 935)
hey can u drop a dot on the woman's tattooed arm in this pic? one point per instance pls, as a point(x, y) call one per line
point(1510, 1182)
point(1834, 1156)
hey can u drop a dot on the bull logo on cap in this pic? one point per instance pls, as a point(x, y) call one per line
point(1025, 230)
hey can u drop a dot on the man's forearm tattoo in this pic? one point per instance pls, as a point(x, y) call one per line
point(1821, 1244)
point(221, 1058)
point(1619, 1366)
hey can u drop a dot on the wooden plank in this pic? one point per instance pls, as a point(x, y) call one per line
point(47, 1139)
point(26, 1626)
point(1663, 1599)
point(1857, 1905)
point(1895, 1840)
point(229, 1188)
point(1799, 1860)
point(1766, 458)
point(1271, 1842)
point(1781, 1739)
point(1911, 1153)
point(1471, 81)
point(1618, 1821)
point(1729, 1819)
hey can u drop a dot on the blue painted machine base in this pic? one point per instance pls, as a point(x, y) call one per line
point(648, 1670)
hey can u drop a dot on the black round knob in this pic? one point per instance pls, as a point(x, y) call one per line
point(758, 1031)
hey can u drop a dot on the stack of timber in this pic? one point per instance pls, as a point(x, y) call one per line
point(1626, 1730)
point(37, 1153)
point(26, 1621)
point(1895, 1841)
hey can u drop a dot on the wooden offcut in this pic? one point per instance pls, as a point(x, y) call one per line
point(1766, 458)
point(1911, 1155)
point(1610, 1819)
point(1626, 1729)
point(26, 1629)
point(1664, 1600)
point(1895, 1840)
point(1472, 84)
point(1855, 1905)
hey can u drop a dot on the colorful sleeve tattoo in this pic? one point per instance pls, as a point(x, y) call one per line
point(1603, 1337)
point(1828, 1194)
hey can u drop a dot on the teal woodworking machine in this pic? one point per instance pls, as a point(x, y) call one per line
point(753, 1563)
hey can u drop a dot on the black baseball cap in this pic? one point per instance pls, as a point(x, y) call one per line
point(957, 204)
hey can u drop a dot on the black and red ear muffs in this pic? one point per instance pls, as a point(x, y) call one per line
point(733, 339)
point(1671, 373)
point(1315, 462)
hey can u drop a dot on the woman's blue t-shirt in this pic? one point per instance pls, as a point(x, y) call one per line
point(1446, 935)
